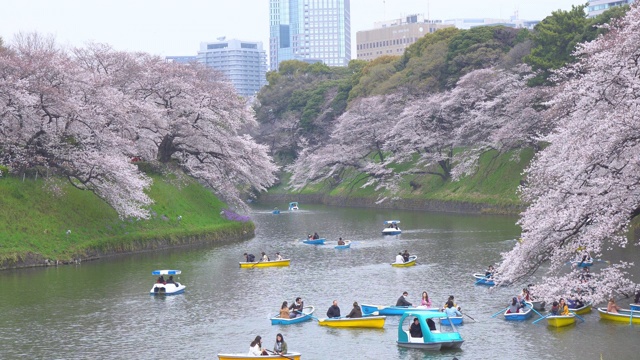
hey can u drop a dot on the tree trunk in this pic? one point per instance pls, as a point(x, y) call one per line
point(166, 149)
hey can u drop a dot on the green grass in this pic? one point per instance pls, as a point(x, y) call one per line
point(34, 220)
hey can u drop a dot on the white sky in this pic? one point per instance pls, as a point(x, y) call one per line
point(177, 27)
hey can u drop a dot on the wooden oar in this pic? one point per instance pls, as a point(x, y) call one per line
point(275, 353)
point(542, 318)
point(469, 317)
point(499, 312)
point(259, 261)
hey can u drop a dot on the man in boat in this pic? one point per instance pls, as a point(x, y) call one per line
point(334, 310)
point(296, 307)
point(402, 300)
point(249, 257)
point(399, 258)
point(415, 330)
point(405, 255)
point(340, 241)
point(316, 236)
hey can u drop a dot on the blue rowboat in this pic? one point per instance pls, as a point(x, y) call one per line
point(432, 339)
point(275, 212)
point(580, 263)
point(455, 320)
point(481, 279)
point(314, 241)
point(524, 314)
point(306, 315)
point(394, 310)
point(635, 307)
point(347, 244)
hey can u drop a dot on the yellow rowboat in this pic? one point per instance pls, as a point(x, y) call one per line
point(583, 310)
point(372, 322)
point(290, 355)
point(284, 262)
point(561, 320)
point(411, 262)
point(622, 315)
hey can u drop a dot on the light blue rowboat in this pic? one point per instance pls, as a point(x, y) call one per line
point(347, 244)
point(455, 320)
point(306, 315)
point(524, 314)
point(482, 279)
point(314, 241)
point(394, 310)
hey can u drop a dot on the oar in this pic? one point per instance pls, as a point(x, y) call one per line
point(469, 317)
point(499, 312)
point(578, 316)
point(544, 317)
point(259, 261)
point(479, 280)
point(275, 353)
point(534, 310)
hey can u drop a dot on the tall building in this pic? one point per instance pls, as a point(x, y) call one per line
point(243, 62)
point(310, 30)
point(597, 7)
point(180, 59)
point(393, 36)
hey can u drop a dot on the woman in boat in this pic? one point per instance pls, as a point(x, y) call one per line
point(334, 310)
point(425, 301)
point(278, 257)
point(296, 307)
point(356, 312)
point(451, 298)
point(564, 309)
point(161, 280)
point(415, 330)
point(514, 307)
point(399, 258)
point(264, 256)
point(451, 311)
point(255, 348)
point(612, 307)
point(526, 296)
point(280, 346)
point(284, 311)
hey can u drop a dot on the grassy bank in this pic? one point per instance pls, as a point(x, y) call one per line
point(34, 222)
point(494, 183)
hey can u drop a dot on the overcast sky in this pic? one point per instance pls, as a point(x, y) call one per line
point(177, 27)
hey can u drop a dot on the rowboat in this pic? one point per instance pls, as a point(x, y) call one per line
point(275, 212)
point(538, 305)
point(391, 228)
point(411, 262)
point(580, 263)
point(524, 314)
point(482, 279)
point(583, 309)
point(167, 286)
point(372, 322)
point(635, 307)
point(289, 355)
point(561, 320)
point(314, 241)
point(347, 244)
point(293, 206)
point(272, 263)
point(455, 320)
point(394, 310)
point(623, 315)
point(307, 311)
point(431, 339)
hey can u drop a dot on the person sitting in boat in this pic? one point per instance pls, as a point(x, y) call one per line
point(451, 298)
point(161, 280)
point(574, 303)
point(309, 237)
point(170, 281)
point(636, 300)
point(356, 312)
point(514, 307)
point(249, 257)
point(284, 311)
point(415, 330)
point(264, 256)
point(425, 301)
point(564, 309)
point(316, 236)
point(612, 307)
point(489, 273)
point(280, 347)
point(555, 308)
point(405, 255)
point(296, 307)
point(431, 324)
point(585, 258)
point(399, 258)
point(402, 300)
point(450, 310)
point(334, 310)
point(255, 348)
point(340, 241)
point(526, 296)
point(278, 257)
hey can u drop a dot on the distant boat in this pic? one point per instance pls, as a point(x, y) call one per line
point(482, 279)
point(271, 263)
point(289, 355)
point(314, 241)
point(275, 211)
point(561, 320)
point(585, 309)
point(166, 288)
point(394, 310)
point(524, 314)
point(431, 339)
point(455, 320)
point(623, 315)
point(411, 262)
point(347, 244)
point(307, 311)
point(372, 322)
point(391, 228)
point(293, 206)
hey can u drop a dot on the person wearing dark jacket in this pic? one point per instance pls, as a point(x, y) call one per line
point(402, 301)
point(356, 312)
point(415, 330)
point(334, 310)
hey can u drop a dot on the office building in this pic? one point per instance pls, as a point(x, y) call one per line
point(244, 63)
point(514, 21)
point(180, 59)
point(393, 36)
point(597, 7)
point(310, 30)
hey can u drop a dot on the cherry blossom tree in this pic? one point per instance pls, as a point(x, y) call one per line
point(583, 187)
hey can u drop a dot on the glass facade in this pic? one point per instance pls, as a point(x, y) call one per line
point(597, 7)
point(310, 30)
point(244, 63)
